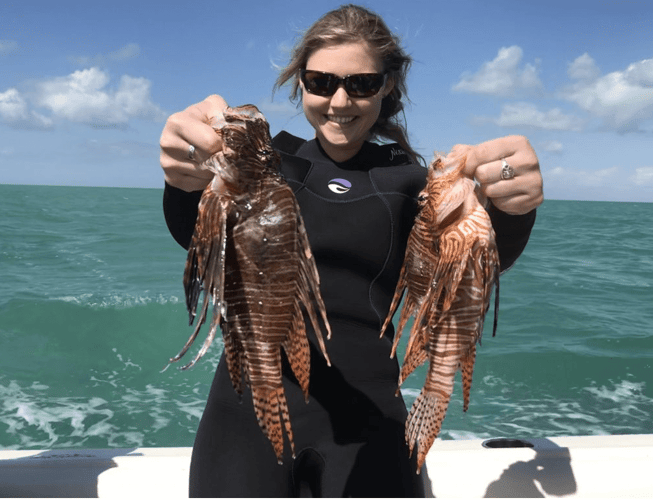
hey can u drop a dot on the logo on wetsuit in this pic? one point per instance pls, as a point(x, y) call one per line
point(339, 186)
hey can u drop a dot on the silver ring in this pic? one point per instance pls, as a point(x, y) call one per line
point(191, 152)
point(507, 172)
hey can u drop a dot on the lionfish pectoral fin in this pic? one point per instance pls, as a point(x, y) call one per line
point(414, 358)
point(467, 369)
point(308, 296)
point(209, 338)
point(207, 273)
point(271, 411)
point(192, 337)
point(396, 299)
point(496, 304)
point(192, 284)
point(235, 356)
point(309, 288)
point(297, 351)
point(421, 316)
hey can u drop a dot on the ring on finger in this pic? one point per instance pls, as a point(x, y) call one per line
point(507, 172)
point(191, 152)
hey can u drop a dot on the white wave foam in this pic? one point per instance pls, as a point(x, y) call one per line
point(31, 417)
point(33, 422)
point(121, 301)
point(623, 392)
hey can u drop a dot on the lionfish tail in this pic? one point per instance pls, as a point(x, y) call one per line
point(424, 423)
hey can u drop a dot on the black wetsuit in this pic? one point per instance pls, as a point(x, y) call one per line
point(349, 438)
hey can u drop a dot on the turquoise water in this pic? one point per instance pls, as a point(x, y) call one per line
point(91, 308)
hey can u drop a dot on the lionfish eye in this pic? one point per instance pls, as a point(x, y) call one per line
point(265, 154)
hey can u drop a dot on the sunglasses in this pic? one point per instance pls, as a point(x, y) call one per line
point(326, 84)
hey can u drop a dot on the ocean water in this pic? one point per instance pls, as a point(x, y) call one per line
point(91, 308)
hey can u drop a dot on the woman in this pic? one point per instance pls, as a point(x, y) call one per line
point(358, 201)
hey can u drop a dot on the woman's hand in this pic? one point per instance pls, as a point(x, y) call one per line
point(517, 195)
point(186, 128)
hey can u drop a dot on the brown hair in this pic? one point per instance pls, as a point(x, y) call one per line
point(352, 23)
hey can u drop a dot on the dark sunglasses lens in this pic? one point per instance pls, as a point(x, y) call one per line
point(319, 83)
point(364, 85)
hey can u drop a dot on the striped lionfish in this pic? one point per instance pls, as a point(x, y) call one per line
point(250, 256)
point(450, 267)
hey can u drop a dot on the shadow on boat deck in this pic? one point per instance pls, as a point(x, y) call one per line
point(33, 475)
point(549, 473)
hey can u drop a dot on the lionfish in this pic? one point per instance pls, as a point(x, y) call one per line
point(251, 257)
point(450, 267)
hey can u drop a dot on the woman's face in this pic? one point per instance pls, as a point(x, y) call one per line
point(342, 123)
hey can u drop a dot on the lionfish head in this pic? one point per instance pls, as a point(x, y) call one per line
point(446, 186)
point(247, 144)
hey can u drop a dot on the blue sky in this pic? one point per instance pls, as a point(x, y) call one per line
point(85, 87)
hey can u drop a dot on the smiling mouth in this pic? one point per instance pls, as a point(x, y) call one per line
point(340, 119)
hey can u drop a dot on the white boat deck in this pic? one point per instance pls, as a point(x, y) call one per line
point(588, 466)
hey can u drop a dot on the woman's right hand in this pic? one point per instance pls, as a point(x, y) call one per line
point(186, 128)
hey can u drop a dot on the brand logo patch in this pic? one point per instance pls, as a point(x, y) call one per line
point(339, 186)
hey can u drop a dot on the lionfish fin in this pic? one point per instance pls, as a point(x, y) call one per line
point(271, 410)
point(205, 270)
point(297, 351)
point(424, 423)
point(235, 356)
point(309, 289)
point(414, 357)
point(496, 303)
point(467, 369)
point(396, 299)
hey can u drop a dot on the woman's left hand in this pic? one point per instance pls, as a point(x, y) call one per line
point(517, 195)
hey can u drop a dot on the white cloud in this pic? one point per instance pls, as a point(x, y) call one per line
point(606, 177)
point(526, 115)
point(615, 183)
point(12, 106)
point(124, 53)
point(623, 100)
point(583, 68)
point(611, 178)
point(14, 111)
point(85, 97)
point(8, 47)
point(643, 176)
point(502, 76)
point(552, 146)
point(129, 51)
